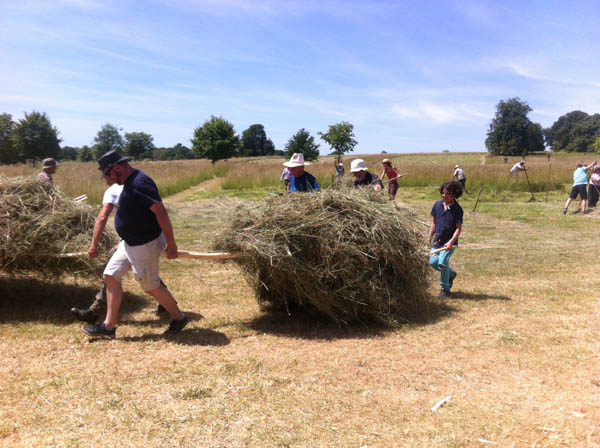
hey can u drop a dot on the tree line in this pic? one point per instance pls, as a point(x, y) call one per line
point(512, 133)
point(34, 138)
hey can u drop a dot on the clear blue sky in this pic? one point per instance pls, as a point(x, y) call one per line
point(411, 76)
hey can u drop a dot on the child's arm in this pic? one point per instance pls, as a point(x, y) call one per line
point(431, 231)
point(452, 241)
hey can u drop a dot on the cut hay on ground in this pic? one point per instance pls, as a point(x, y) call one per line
point(337, 253)
point(38, 223)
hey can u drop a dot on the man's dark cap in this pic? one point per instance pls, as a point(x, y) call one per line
point(110, 159)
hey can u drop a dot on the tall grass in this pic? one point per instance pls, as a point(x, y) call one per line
point(77, 178)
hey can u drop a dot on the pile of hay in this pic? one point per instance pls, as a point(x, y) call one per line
point(337, 253)
point(38, 224)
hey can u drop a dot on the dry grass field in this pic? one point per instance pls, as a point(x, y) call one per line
point(516, 349)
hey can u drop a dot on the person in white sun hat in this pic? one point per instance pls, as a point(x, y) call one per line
point(300, 180)
point(358, 167)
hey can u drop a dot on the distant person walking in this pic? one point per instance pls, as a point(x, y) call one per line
point(580, 181)
point(518, 167)
point(459, 175)
point(49, 167)
point(391, 172)
point(285, 177)
point(300, 180)
point(143, 223)
point(594, 188)
point(339, 169)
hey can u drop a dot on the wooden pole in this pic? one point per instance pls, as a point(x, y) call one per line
point(530, 190)
point(478, 195)
point(180, 253)
point(549, 177)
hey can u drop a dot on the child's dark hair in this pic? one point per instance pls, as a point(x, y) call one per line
point(454, 188)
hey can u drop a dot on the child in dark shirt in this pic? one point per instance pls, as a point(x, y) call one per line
point(444, 231)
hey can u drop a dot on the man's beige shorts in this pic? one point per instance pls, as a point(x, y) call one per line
point(143, 259)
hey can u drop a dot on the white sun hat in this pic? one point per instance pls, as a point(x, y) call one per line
point(296, 160)
point(358, 165)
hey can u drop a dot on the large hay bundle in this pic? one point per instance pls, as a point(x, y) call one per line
point(38, 223)
point(337, 253)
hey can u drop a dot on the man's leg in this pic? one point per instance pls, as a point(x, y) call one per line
point(567, 205)
point(114, 297)
point(166, 299)
point(583, 204)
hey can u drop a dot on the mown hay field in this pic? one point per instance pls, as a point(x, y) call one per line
point(516, 349)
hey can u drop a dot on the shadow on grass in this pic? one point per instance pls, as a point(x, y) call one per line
point(477, 297)
point(189, 336)
point(302, 323)
point(161, 320)
point(25, 299)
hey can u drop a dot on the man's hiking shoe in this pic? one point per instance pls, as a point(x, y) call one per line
point(85, 315)
point(99, 331)
point(159, 309)
point(444, 294)
point(565, 211)
point(452, 277)
point(177, 325)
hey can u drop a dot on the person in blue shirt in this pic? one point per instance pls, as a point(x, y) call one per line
point(443, 234)
point(300, 180)
point(580, 181)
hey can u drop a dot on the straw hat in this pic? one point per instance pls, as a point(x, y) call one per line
point(296, 160)
point(358, 165)
point(386, 161)
point(49, 163)
point(456, 166)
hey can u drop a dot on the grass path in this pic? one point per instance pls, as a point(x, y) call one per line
point(186, 195)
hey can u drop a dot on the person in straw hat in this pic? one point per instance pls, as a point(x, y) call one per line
point(459, 175)
point(339, 169)
point(358, 167)
point(517, 167)
point(143, 223)
point(300, 180)
point(391, 172)
point(49, 167)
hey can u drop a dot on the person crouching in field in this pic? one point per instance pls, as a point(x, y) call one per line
point(580, 181)
point(444, 231)
point(391, 172)
point(594, 188)
point(363, 178)
point(518, 167)
point(300, 180)
point(459, 175)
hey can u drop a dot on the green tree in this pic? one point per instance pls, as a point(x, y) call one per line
point(511, 132)
point(68, 153)
point(302, 142)
point(138, 145)
point(177, 152)
point(575, 131)
point(107, 139)
point(597, 145)
point(7, 150)
point(85, 154)
point(215, 140)
point(255, 142)
point(35, 138)
point(340, 137)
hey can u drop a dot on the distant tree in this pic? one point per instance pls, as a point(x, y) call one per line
point(511, 132)
point(302, 142)
point(215, 140)
point(138, 145)
point(68, 153)
point(340, 137)
point(108, 138)
point(7, 149)
point(35, 138)
point(575, 131)
point(255, 142)
point(85, 154)
point(177, 152)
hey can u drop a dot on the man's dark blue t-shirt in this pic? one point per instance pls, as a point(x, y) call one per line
point(445, 222)
point(135, 222)
point(306, 182)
